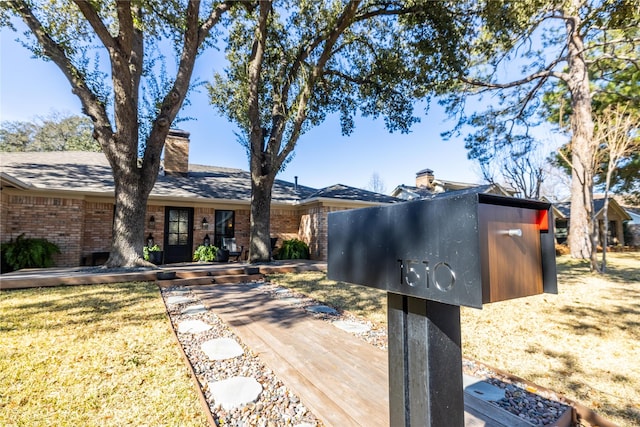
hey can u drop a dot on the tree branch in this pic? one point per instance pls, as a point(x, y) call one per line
point(96, 23)
point(91, 103)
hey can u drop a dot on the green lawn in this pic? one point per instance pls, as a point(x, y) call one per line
point(100, 355)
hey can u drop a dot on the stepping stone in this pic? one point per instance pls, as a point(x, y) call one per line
point(352, 327)
point(193, 327)
point(283, 291)
point(292, 300)
point(482, 389)
point(321, 309)
point(222, 348)
point(194, 309)
point(179, 300)
point(235, 392)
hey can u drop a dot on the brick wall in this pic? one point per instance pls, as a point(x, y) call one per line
point(313, 229)
point(58, 220)
point(81, 227)
point(98, 218)
point(157, 230)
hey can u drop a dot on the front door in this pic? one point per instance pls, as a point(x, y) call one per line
point(178, 235)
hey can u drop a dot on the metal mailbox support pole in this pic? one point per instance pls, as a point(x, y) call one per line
point(425, 363)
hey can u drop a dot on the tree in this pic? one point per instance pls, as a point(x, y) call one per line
point(293, 63)
point(376, 184)
point(54, 133)
point(618, 138)
point(566, 41)
point(128, 34)
point(522, 170)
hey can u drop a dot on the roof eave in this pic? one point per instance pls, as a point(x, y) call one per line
point(14, 182)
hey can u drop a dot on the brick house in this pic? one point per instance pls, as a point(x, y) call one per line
point(68, 198)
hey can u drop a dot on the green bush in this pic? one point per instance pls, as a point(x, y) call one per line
point(205, 253)
point(28, 253)
point(293, 249)
point(146, 249)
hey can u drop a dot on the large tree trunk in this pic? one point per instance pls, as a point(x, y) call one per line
point(581, 231)
point(260, 238)
point(128, 225)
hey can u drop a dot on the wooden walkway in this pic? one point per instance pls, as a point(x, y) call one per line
point(340, 378)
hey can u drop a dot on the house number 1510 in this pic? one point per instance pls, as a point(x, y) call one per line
point(417, 273)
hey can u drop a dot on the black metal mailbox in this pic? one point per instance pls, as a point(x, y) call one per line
point(460, 250)
point(432, 257)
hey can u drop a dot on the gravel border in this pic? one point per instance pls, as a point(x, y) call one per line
point(279, 406)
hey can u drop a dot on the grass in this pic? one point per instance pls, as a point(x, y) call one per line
point(582, 343)
point(100, 355)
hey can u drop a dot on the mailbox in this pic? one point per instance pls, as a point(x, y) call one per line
point(462, 250)
point(433, 256)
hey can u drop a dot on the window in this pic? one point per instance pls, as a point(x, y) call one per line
point(178, 227)
point(225, 224)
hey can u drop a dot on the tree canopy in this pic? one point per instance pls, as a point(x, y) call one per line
point(292, 63)
point(56, 132)
point(133, 101)
point(543, 44)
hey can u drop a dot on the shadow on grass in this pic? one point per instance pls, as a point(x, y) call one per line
point(56, 308)
point(599, 321)
point(341, 296)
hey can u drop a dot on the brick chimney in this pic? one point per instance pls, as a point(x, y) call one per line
point(176, 152)
point(425, 179)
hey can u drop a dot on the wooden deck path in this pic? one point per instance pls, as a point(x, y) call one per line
point(340, 378)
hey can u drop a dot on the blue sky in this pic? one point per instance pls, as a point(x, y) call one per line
point(32, 87)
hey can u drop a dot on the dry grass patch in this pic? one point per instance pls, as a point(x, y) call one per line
point(582, 343)
point(92, 355)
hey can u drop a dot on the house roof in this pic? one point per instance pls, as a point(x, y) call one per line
point(90, 172)
point(407, 192)
point(564, 208)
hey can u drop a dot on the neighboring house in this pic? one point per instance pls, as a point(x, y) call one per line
point(428, 187)
point(632, 228)
point(616, 214)
point(68, 198)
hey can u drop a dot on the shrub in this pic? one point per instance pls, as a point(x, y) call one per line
point(28, 253)
point(205, 253)
point(293, 249)
point(146, 249)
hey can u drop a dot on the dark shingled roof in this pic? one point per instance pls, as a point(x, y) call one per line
point(89, 172)
point(344, 192)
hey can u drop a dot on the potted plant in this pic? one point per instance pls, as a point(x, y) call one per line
point(205, 253)
point(153, 254)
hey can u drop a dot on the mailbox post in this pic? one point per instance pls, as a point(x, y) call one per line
point(433, 256)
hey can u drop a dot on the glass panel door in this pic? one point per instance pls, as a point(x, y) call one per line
point(178, 234)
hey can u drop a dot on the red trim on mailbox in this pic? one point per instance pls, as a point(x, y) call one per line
point(543, 220)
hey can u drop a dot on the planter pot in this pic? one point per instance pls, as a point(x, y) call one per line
point(166, 275)
point(155, 257)
point(222, 255)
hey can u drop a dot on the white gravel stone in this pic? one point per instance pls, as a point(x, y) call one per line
point(179, 300)
point(235, 392)
point(321, 309)
point(482, 389)
point(222, 348)
point(193, 327)
point(194, 309)
point(351, 327)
